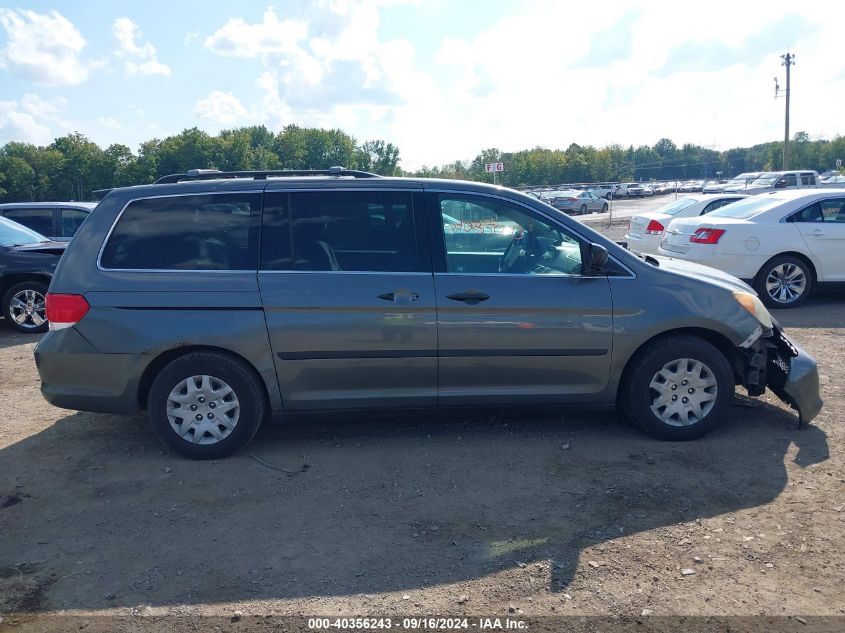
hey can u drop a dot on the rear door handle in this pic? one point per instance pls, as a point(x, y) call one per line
point(470, 297)
point(401, 295)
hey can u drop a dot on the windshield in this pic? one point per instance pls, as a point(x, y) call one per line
point(766, 179)
point(746, 208)
point(13, 234)
point(676, 206)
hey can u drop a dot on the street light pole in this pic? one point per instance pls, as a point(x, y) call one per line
point(788, 61)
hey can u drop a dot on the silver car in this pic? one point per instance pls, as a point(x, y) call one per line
point(575, 202)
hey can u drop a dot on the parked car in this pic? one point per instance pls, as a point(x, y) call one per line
point(27, 262)
point(648, 190)
point(634, 190)
point(836, 182)
point(604, 191)
point(783, 243)
point(736, 184)
point(576, 202)
point(645, 230)
point(165, 302)
point(775, 180)
point(59, 221)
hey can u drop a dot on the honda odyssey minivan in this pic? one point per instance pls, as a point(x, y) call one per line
point(216, 300)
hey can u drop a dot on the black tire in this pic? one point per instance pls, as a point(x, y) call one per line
point(582, 210)
point(245, 387)
point(29, 326)
point(776, 266)
point(604, 209)
point(637, 396)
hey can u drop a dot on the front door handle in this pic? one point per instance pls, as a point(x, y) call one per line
point(401, 295)
point(471, 297)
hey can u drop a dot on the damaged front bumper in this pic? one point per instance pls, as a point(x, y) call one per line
point(777, 362)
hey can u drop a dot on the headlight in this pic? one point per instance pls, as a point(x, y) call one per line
point(755, 307)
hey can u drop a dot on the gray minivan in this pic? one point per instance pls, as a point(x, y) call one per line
point(215, 300)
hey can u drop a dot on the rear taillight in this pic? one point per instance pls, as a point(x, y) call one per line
point(65, 310)
point(707, 236)
point(654, 228)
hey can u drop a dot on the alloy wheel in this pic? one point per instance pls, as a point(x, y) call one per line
point(28, 309)
point(785, 283)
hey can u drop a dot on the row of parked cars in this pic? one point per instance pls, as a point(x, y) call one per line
point(214, 300)
point(783, 242)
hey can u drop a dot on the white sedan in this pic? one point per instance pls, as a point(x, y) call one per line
point(645, 230)
point(783, 243)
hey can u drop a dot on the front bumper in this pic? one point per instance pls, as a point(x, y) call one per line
point(789, 371)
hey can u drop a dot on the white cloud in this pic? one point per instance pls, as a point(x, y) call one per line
point(44, 48)
point(626, 74)
point(109, 122)
point(222, 108)
point(140, 56)
point(17, 124)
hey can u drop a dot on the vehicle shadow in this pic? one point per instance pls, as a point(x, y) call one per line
point(96, 514)
point(11, 338)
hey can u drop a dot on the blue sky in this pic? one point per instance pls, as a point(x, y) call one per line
point(441, 79)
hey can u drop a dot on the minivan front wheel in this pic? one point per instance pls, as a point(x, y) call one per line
point(24, 307)
point(678, 389)
point(206, 405)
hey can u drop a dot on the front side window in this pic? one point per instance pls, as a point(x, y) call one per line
point(200, 232)
point(488, 235)
point(38, 220)
point(831, 210)
point(359, 231)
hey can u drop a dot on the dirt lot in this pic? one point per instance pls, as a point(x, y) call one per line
point(535, 513)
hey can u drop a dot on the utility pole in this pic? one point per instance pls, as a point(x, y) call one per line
point(787, 60)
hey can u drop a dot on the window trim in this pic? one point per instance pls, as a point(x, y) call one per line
point(787, 219)
point(172, 270)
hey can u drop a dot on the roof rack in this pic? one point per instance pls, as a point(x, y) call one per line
point(213, 174)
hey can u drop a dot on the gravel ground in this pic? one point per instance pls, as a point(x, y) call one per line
point(529, 513)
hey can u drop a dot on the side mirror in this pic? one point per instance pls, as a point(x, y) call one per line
point(780, 184)
point(596, 259)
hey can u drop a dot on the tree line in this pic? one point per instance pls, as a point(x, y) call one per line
point(662, 161)
point(73, 167)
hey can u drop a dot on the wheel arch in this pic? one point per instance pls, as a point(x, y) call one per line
point(718, 340)
point(11, 279)
point(168, 356)
point(798, 255)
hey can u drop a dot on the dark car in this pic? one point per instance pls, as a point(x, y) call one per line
point(27, 262)
point(58, 221)
point(214, 300)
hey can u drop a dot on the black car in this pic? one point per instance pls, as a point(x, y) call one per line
point(27, 262)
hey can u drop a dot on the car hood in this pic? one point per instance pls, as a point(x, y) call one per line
point(52, 248)
point(702, 273)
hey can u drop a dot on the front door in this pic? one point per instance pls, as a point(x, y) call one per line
point(518, 321)
point(349, 299)
point(822, 226)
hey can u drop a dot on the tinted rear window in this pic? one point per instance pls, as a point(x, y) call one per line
point(38, 220)
point(353, 231)
point(209, 232)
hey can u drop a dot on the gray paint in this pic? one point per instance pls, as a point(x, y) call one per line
point(327, 341)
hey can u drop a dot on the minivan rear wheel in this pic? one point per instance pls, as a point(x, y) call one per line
point(206, 405)
point(679, 388)
point(24, 307)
